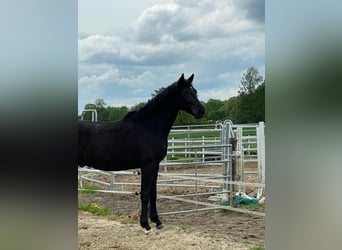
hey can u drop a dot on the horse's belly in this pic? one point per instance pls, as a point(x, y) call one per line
point(113, 163)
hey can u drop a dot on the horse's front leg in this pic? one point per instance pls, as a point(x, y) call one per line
point(153, 201)
point(146, 182)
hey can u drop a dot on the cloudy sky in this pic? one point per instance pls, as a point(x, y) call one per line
point(129, 48)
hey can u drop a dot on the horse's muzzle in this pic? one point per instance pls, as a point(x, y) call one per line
point(199, 112)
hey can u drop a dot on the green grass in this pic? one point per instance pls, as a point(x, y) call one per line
point(252, 206)
point(89, 189)
point(248, 132)
point(258, 247)
point(95, 209)
point(183, 228)
point(195, 135)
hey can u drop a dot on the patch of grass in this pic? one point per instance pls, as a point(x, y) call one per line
point(89, 189)
point(258, 247)
point(95, 209)
point(183, 228)
point(252, 206)
point(194, 135)
point(172, 158)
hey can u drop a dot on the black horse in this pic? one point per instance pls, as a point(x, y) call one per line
point(139, 140)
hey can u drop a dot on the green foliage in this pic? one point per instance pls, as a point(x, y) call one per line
point(95, 209)
point(138, 106)
point(249, 108)
point(117, 113)
point(214, 110)
point(184, 118)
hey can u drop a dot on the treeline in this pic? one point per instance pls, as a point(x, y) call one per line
point(247, 107)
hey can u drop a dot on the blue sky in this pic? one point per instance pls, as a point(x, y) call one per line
point(129, 48)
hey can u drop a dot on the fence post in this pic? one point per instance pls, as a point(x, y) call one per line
point(93, 114)
point(112, 181)
point(224, 158)
point(203, 155)
point(261, 155)
point(173, 150)
point(232, 170)
point(186, 149)
point(239, 159)
point(230, 138)
point(81, 178)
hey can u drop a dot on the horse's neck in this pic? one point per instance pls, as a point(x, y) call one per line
point(164, 120)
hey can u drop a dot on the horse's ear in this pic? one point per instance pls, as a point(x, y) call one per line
point(181, 79)
point(191, 78)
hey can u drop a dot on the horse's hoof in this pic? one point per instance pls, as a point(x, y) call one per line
point(160, 226)
point(148, 231)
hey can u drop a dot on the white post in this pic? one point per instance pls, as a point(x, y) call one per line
point(203, 158)
point(173, 144)
point(261, 154)
point(112, 181)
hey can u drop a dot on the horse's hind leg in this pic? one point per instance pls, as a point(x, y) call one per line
point(153, 200)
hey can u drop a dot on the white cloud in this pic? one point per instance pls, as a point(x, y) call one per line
point(93, 45)
point(184, 21)
point(215, 39)
point(108, 76)
point(221, 93)
point(158, 22)
point(143, 80)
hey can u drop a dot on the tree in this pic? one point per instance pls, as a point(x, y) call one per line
point(117, 113)
point(137, 106)
point(100, 103)
point(157, 91)
point(90, 106)
point(214, 110)
point(228, 106)
point(258, 107)
point(250, 108)
point(250, 80)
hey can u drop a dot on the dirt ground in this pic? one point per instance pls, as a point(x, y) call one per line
point(200, 230)
point(213, 229)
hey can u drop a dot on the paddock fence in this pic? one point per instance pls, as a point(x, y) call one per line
point(205, 165)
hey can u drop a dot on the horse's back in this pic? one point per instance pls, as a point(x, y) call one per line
point(121, 145)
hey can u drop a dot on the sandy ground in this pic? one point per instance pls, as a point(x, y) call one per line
point(201, 230)
point(101, 233)
point(214, 229)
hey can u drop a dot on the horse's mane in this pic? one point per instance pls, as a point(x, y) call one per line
point(153, 104)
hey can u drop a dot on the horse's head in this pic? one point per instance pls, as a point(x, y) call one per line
point(188, 100)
